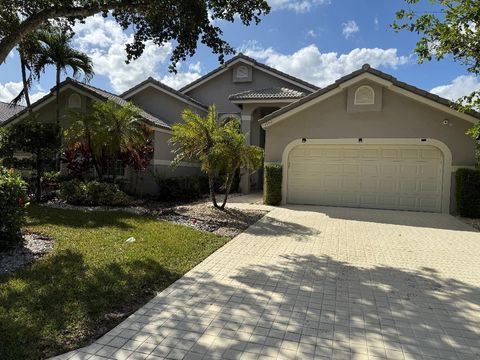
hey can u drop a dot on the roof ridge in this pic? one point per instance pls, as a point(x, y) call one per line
point(255, 62)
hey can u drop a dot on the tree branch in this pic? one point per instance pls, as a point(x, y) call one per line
point(33, 22)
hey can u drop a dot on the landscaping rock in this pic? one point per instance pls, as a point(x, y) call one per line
point(34, 246)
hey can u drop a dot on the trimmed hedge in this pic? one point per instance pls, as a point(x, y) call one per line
point(182, 187)
point(272, 193)
point(92, 193)
point(467, 192)
point(13, 198)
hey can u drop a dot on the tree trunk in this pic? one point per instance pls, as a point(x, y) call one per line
point(228, 186)
point(38, 179)
point(34, 22)
point(23, 65)
point(57, 96)
point(211, 186)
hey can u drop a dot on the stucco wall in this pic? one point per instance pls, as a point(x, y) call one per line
point(401, 117)
point(217, 89)
point(162, 105)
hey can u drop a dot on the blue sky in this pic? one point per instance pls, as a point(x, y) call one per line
point(316, 40)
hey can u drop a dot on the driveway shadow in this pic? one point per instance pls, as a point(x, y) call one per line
point(309, 307)
point(392, 217)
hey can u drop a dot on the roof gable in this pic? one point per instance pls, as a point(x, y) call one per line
point(91, 91)
point(257, 65)
point(377, 76)
point(151, 82)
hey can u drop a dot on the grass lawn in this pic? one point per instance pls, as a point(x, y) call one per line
point(92, 279)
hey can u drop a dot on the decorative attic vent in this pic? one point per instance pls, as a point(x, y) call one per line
point(74, 101)
point(364, 95)
point(242, 72)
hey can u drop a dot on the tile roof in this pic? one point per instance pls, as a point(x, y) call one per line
point(166, 88)
point(366, 69)
point(8, 110)
point(99, 93)
point(273, 93)
point(256, 63)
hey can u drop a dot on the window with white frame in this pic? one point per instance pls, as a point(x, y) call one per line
point(364, 95)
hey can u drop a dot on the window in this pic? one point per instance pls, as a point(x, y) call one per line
point(74, 101)
point(364, 95)
point(242, 72)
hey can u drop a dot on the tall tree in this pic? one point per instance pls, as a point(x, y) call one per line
point(55, 49)
point(220, 147)
point(450, 28)
point(184, 22)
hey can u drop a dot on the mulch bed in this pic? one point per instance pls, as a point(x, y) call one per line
point(33, 247)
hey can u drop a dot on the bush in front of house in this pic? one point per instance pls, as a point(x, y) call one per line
point(468, 192)
point(182, 187)
point(272, 193)
point(92, 193)
point(13, 199)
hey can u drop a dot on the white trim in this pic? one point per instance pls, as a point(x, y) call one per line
point(302, 107)
point(435, 105)
point(149, 84)
point(162, 130)
point(447, 159)
point(378, 80)
point(181, 164)
point(366, 76)
point(219, 72)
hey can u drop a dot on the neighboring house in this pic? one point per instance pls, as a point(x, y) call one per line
point(368, 140)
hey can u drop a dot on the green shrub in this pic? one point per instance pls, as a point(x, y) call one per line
point(182, 187)
point(468, 192)
point(13, 199)
point(272, 193)
point(92, 193)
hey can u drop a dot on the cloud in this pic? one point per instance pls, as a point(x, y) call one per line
point(322, 69)
point(104, 41)
point(350, 28)
point(460, 86)
point(298, 6)
point(11, 89)
point(312, 33)
point(376, 22)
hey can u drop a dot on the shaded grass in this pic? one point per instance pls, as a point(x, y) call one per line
point(92, 279)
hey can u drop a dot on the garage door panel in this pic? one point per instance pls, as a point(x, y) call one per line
point(386, 176)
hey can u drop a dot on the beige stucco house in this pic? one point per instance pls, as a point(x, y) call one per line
point(368, 140)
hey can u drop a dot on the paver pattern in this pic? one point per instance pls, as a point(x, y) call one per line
point(318, 283)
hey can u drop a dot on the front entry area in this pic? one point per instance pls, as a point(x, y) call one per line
point(383, 176)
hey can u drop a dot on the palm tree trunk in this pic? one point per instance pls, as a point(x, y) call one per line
point(57, 96)
point(23, 65)
point(211, 186)
point(228, 186)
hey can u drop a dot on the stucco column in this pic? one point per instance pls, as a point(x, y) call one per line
point(246, 127)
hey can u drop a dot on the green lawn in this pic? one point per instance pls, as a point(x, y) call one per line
point(92, 279)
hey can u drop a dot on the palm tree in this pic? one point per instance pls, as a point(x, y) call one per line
point(220, 147)
point(55, 49)
point(109, 133)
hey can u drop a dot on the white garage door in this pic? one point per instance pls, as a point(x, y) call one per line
point(373, 176)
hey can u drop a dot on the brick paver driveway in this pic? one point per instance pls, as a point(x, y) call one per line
point(318, 282)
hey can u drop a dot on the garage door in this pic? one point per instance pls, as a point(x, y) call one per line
point(373, 176)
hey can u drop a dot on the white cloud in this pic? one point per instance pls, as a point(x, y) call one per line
point(299, 6)
point(322, 69)
point(460, 86)
point(197, 67)
point(11, 89)
point(312, 33)
point(350, 28)
point(180, 79)
point(376, 22)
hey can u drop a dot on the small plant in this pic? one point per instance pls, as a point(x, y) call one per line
point(272, 194)
point(13, 200)
point(92, 193)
